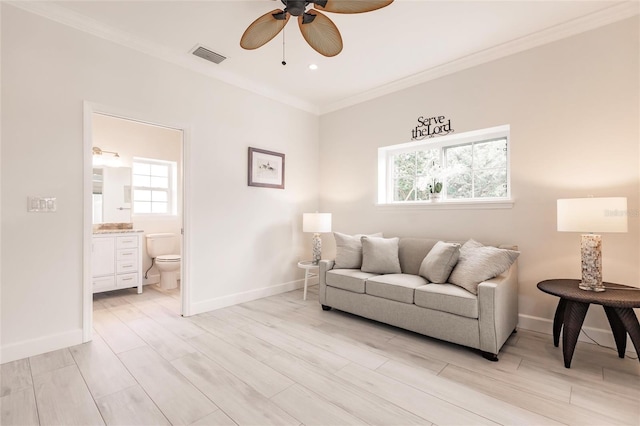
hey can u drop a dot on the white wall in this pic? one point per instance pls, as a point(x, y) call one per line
point(242, 238)
point(573, 110)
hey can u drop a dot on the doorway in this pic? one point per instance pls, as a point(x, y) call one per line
point(143, 163)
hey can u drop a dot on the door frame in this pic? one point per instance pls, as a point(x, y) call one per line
point(89, 108)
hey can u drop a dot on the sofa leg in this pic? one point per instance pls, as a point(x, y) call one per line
point(326, 308)
point(491, 357)
point(515, 330)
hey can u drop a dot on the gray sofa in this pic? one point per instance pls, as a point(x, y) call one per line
point(407, 300)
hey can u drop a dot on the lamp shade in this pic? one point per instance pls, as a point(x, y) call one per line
point(316, 222)
point(607, 214)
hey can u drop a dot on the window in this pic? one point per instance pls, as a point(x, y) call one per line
point(154, 183)
point(468, 167)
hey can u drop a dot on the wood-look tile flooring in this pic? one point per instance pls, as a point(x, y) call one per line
point(284, 361)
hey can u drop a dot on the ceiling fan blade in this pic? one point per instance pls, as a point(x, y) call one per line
point(350, 6)
point(263, 29)
point(321, 33)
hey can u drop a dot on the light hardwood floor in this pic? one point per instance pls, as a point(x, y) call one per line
point(284, 361)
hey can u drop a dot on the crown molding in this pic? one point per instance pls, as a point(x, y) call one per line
point(586, 23)
point(80, 22)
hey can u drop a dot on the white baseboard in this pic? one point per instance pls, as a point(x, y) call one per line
point(247, 296)
point(52, 342)
point(544, 325)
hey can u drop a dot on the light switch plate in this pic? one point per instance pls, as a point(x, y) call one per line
point(41, 204)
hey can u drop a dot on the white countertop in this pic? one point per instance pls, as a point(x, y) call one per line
point(117, 231)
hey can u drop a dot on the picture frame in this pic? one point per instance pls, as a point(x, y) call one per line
point(266, 168)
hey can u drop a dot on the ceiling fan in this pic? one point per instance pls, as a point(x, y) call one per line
point(317, 29)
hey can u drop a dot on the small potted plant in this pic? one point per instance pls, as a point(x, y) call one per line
point(434, 190)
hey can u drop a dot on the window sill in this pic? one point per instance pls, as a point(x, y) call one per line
point(450, 205)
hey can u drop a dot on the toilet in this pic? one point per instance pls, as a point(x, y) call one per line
point(162, 248)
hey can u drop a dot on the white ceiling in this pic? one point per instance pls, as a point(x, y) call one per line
point(408, 42)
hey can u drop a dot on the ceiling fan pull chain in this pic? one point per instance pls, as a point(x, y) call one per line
point(283, 61)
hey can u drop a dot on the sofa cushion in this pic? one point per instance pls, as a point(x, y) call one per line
point(348, 279)
point(349, 250)
point(397, 287)
point(438, 264)
point(411, 253)
point(380, 255)
point(447, 298)
point(479, 263)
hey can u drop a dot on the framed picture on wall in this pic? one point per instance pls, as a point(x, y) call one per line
point(266, 168)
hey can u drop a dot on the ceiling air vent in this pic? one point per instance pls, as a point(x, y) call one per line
point(209, 55)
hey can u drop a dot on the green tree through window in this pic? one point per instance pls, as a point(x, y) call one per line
point(472, 166)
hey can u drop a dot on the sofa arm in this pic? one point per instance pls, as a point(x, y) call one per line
point(498, 309)
point(323, 267)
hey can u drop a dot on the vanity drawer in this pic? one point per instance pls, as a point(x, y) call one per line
point(127, 242)
point(127, 280)
point(104, 283)
point(125, 266)
point(126, 254)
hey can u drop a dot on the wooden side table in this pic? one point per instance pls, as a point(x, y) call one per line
point(618, 302)
point(308, 266)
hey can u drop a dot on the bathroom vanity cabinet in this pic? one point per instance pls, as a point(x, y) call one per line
point(116, 261)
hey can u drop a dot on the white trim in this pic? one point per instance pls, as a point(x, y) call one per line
point(40, 345)
point(87, 233)
point(449, 205)
point(595, 20)
point(247, 296)
point(185, 269)
point(80, 22)
point(545, 326)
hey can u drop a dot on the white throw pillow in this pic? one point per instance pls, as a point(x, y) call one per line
point(380, 255)
point(349, 250)
point(478, 263)
point(439, 262)
point(470, 244)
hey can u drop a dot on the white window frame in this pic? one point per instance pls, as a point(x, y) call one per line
point(172, 192)
point(385, 169)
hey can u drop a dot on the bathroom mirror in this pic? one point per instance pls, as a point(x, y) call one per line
point(111, 194)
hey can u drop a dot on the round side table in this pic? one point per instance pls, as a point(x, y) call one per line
point(618, 302)
point(308, 267)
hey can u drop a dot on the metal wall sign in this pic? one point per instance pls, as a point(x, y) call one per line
point(429, 127)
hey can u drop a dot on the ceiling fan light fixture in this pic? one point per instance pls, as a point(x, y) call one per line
point(317, 29)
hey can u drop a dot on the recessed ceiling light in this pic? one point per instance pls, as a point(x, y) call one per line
point(313, 67)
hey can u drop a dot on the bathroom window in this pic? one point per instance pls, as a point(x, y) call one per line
point(154, 183)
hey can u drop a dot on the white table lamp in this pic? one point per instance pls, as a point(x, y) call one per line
point(592, 215)
point(316, 223)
